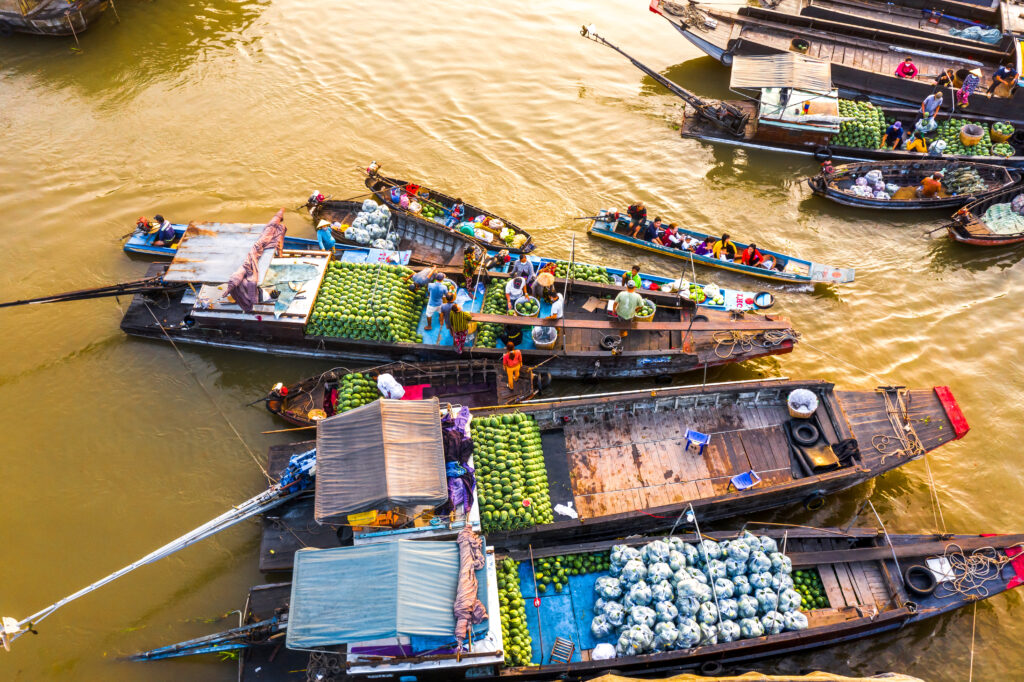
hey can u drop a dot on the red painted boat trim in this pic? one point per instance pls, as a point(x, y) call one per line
point(1017, 563)
point(953, 411)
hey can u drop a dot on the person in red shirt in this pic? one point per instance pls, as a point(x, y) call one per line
point(751, 256)
point(930, 186)
point(906, 69)
point(513, 362)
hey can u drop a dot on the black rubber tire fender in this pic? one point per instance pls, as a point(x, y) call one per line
point(914, 575)
point(710, 668)
point(806, 433)
point(822, 153)
point(814, 502)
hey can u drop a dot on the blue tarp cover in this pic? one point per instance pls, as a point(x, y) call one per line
point(357, 594)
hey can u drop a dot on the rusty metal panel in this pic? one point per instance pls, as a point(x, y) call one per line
point(211, 252)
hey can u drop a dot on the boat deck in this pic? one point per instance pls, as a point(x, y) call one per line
point(276, 662)
point(865, 411)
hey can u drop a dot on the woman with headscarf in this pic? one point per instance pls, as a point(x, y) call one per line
point(893, 136)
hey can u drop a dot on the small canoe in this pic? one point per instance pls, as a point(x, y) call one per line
point(971, 182)
point(389, 191)
point(614, 226)
point(988, 222)
point(473, 383)
point(141, 242)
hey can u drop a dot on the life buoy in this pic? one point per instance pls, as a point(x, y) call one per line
point(806, 433)
point(822, 153)
point(919, 580)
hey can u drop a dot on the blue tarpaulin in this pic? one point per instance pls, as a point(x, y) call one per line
point(358, 594)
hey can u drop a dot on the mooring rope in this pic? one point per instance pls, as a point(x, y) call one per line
point(747, 341)
point(972, 571)
point(974, 622)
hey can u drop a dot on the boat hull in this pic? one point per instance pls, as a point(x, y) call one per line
point(54, 18)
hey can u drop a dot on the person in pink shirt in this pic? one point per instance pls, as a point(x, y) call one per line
point(906, 69)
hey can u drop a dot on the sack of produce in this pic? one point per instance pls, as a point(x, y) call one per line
point(789, 600)
point(873, 176)
point(640, 593)
point(414, 207)
point(879, 186)
point(615, 614)
point(728, 631)
point(708, 634)
point(747, 606)
point(662, 591)
point(751, 627)
point(724, 587)
point(1017, 205)
point(703, 593)
point(380, 244)
point(767, 600)
point(739, 550)
point(667, 612)
point(741, 585)
point(622, 554)
point(707, 613)
point(687, 606)
point(600, 627)
point(768, 544)
point(665, 636)
point(642, 615)
point(689, 633)
point(752, 542)
point(635, 640)
point(758, 563)
point(608, 587)
point(676, 560)
point(697, 574)
point(369, 205)
point(729, 608)
point(634, 571)
point(654, 552)
point(892, 188)
point(861, 181)
point(599, 605)
point(715, 569)
point(773, 622)
point(709, 549)
point(735, 567)
point(658, 571)
point(781, 581)
point(780, 562)
point(795, 620)
point(884, 196)
point(760, 581)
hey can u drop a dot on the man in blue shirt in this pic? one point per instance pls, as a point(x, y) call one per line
point(435, 297)
point(1004, 75)
point(653, 230)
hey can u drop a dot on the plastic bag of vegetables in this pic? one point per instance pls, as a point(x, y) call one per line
point(728, 631)
point(707, 613)
point(741, 585)
point(689, 633)
point(691, 554)
point(369, 205)
point(675, 543)
point(600, 627)
point(734, 567)
point(621, 554)
point(782, 581)
point(751, 627)
point(747, 606)
point(634, 571)
point(724, 588)
point(642, 615)
point(795, 620)
point(615, 614)
point(662, 592)
point(688, 606)
point(767, 600)
point(729, 608)
point(665, 636)
point(634, 641)
point(703, 593)
point(658, 571)
point(380, 244)
point(655, 551)
point(708, 550)
point(676, 560)
point(665, 611)
point(758, 563)
point(697, 574)
point(752, 542)
point(773, 622)
point(608, 587)
point(789, 600)
point(780, 563)
point(716, 569)
point(760, 581)
point(640, 593)
point(738, 551)
point(768, 544)
point(708, 634)
point(599, 605)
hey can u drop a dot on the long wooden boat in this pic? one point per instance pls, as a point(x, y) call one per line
point(863, 58)
point(837, 185)
point(388, 190)
point(871, 582)
point(141, 242)
point(621, 460)
point(49, 17)
point(968, 225)
point(473, 383)
point(614, 226)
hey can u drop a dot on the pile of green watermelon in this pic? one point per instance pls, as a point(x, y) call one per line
point(586, 273)
point(494, 304)
point(367, 301)
point(866, 128)
point(556, 570)
point(949, 131)
point(515, 636)
point(807, 583)
point(646, 309)
point(527, 307)
point(356, 390)
point(1005, 129)
point(1002, 149)
point(511, 478)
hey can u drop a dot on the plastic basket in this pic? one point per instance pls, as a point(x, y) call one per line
point(650, 317)
point(536, 314)
point(971, 134)
point(998, 136)
point(540, 333)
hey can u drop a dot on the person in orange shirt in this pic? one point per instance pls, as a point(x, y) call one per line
point(930, 186)
point(513, 362)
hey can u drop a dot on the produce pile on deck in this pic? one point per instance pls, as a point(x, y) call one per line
point(494, 304)
point(527, 306)
point(949, 130)
point(671, 594)
point(872, 185)
point(586, 273)
point(514, 634)
point(355, 390)
point(1006, 218)
point(812, 591)
point(372, 227)
point(511, 477)
point(555, 571)
point(367, 301)
point(866, 128)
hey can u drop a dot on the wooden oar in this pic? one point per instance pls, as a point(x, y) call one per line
point(297, 428)
point(589, 217)
point(930, 232)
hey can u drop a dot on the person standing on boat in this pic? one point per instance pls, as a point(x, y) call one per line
point(637, 217)
point(751, 256)
point(523, 268)
point(626, 304)
point(1006, 75)
point(324, 238)
point(512, 360)
point(906, 69)
point(456, 214)
point(631, 276)
point(164, 231)
point(893, 136)
point(515, 289)
point(389, 386)
point(971, 81)
point(420, 279)
point(724, 249)
point(436, 291)
point(458, 324)
point(931, 104)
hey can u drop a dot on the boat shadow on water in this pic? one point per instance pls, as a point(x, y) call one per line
point(947, 254)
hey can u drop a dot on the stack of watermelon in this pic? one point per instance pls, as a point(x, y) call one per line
point(515, 636)
point(356, 390)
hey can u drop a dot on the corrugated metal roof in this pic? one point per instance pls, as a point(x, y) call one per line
point(210, 252)
point(786, 70)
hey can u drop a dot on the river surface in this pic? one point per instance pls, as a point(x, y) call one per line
point(229, 110)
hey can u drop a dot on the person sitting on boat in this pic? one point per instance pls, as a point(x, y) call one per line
point(436, 291)
point(827, 169)
point(389, 386)
point(751, 256)
point(523, 268)
point(632, 276)
point(515, 289)
point(324, 237)
point(557, 308)
point(906, 69)
point(944, 80)
point(544, 288)
point(164, 231)
point(917, 143)
point(653, 231)
point(637, 217)
point(456, 214)
point(704, 248)
point(724, 249)
point(893, 136)
point(496, 262)
point(1006, 75)
point(420, 279)
point(671, 237)
point(930, 186)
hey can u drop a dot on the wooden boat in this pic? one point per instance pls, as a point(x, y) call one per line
point(474, 383)
point(49, 17)
point(621, 460)
point(968, 225)
point(590, 344)
point(933, 19)
point(774, 118)
point(141, 241)
point(388, 190)
point(836, 186)
point(614, 226)
point(863, 58)
point(873, 583)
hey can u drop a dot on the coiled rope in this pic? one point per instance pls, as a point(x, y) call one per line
point(972, 571)
point(728, 341)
